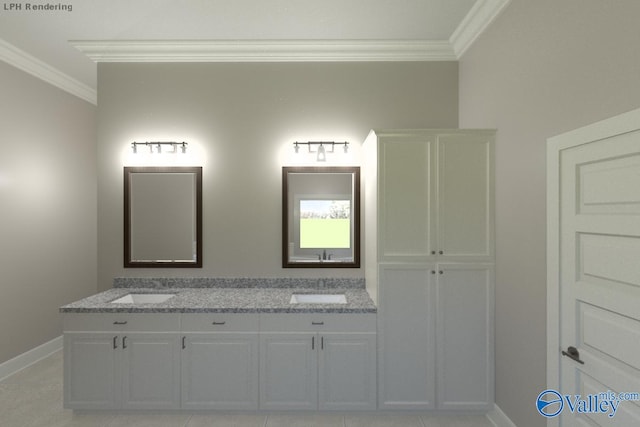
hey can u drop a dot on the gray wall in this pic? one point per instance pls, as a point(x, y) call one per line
point(542, 68)
point(243, 117)
point(47, 208)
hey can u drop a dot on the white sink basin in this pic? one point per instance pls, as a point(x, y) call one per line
point(318, 299)
point(142, 299)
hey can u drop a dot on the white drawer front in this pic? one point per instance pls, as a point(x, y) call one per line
point(152, 322)
point(318, 322)
point(220, 322)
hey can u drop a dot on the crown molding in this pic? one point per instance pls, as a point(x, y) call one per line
point(265, 50)
point(31, 65)
point(474, 23)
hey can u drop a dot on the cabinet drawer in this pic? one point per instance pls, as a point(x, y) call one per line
point(220, 322)
point(318, 322)
point(152, 322)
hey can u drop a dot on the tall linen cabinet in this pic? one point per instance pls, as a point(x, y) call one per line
point(429, 227)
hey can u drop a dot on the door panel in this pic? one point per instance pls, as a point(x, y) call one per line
point(220, 371)
point(91, 371)
point(611, 334)
point(626, 414)
point(465, 336)
point(288, 371)
point(407, 337)
point(610, 258)
point(347, 365)
point(599, 276)
point(595, 193)
point(465, 204)
point(151, 371)
point(406, 223)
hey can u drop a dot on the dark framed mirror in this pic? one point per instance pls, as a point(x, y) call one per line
point(163, 217)
point(321, 217)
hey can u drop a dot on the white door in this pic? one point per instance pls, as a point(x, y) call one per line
point(406, 333)
point(220, 371)
point(91, 370)
point(407, 226)
point(464, 336)
point(288, 371)
point(347, 371)
point(151, 371)
point(598, 277)
point(464, 196)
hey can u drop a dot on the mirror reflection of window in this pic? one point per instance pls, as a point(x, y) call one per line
point(325, 224)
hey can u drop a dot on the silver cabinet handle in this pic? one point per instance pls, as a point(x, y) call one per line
point(313, 343)
point(124, 342)
point(218, 323)
point(441, 252)
point(184, 344)
point(317, 323)
point(119, 323)
point(115, 342)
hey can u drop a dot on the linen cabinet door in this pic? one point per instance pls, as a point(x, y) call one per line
point(220, 371)
point(406, 326)
point(151, 371)
point(91, 371)
point(465, 337)
point(406, 224)
point(288, 371)
point(465, 196)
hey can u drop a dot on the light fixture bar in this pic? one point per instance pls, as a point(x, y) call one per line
point(321, 150)
point(159, 144)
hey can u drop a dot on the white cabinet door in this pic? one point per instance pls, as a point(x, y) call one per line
point(465, 336)
point(464, 198)
point(220, 371)
point(151, 371)
point(406, 325)
point(347, 371)
point(288, 371)
point(405, 205)
point(448, 307)
point(107, 366)
point(435, 195)
point(91, 371)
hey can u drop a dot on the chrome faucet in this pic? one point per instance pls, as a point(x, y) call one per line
point(324, 256)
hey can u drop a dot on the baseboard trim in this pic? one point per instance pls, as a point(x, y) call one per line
point(30, 357)
point(499, 418)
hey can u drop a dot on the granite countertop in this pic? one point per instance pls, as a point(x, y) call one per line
point(223, 300)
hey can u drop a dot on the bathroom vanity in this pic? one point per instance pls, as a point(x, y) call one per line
point(218, 346)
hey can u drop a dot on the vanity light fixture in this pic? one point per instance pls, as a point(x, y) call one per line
point(158, 145)
point(321, 150)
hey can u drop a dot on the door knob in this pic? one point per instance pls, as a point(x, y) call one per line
point(573, 353)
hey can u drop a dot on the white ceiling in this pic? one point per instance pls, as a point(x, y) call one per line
point(49, 42)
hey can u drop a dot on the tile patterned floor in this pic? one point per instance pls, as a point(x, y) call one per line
point(33, 398)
